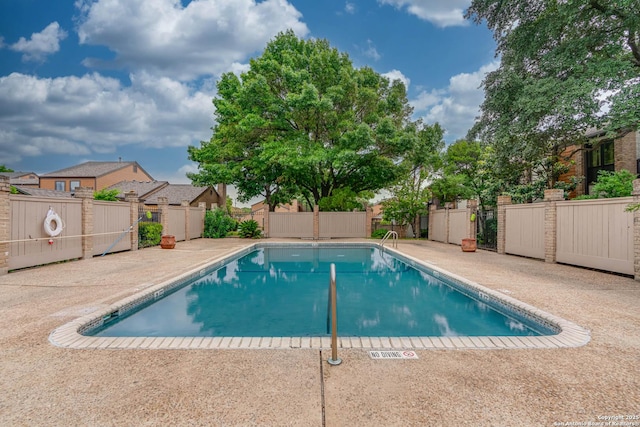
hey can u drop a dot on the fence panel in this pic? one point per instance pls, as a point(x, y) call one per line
point(524, 230)
point(342, 224)
point(439, 232)
point(458, 226)
point(176, 223)
point(285, 224)
point(196, 225)
point(110, 217)
point(27, 222)
point(596, 234)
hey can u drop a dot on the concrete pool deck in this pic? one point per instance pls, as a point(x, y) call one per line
point(47, 385)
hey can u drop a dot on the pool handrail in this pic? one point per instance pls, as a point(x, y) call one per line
point(333, 302)
point(394, 238)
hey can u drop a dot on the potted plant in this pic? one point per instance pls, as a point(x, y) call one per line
point(168, 241)
point(468, 245)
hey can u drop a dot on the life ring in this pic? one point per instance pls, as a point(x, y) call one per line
point(53, 219)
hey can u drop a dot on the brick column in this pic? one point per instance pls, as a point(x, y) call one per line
point(503, 201)
point(472, 208)
point(203, 206)
point(550, 223)
point(368, 220)
point(432, 209)
point(5, 223)
point(185, 205)
point(636, 230)
point(163, 205)
point(132, 198)
point(316, 222)
point(86, 194)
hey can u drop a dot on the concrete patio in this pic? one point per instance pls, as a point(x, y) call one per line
point(47, 385)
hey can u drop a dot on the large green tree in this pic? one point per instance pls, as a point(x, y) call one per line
point(566, 67)
point(302, 120)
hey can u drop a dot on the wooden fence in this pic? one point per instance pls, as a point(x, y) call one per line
point(318, 225)
point(90, 227)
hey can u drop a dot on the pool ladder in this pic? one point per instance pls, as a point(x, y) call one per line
point(394, 238)
point(332, 317)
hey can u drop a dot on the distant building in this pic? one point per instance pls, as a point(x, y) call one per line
point(24, 179)
point(96, 175)
point(149, 192)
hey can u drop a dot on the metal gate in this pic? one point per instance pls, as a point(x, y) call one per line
point(487, 237)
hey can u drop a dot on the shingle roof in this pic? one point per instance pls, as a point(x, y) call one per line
point(18, 178)
point(142, 188)
point(90, 169)
point(41, 192)
point(176, 193)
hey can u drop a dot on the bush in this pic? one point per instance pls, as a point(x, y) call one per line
point(149, 234)
point(379, 233)
point(108, 195)
point(217, 224)
point(614, 184)
point(249, 229)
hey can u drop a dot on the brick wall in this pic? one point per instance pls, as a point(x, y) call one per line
point(625, 152)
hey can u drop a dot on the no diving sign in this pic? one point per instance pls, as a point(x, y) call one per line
point(406, 354)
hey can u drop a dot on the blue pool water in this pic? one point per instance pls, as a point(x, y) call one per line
point(276, 291)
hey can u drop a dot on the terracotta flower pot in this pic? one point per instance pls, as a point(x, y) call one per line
point(468, 245)
point(168, 241)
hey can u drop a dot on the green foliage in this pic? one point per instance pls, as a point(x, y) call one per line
point(561, 63)
point(217, 223)
point(249, 229)
point(379, 233)
point(149, 234)
point(3, 168)
point(303, 121)
point(107, 195)
point(614, 184)
point(343, 200)
point(13, 190)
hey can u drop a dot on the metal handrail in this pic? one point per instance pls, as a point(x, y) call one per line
point(393, 235)
point(333, 309)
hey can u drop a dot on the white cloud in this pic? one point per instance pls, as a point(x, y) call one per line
point(456, 106)
point(442, 13)
point(371, 51)
point(96, 114)
point(41, 44)
point(397, 75)
point(206, 37)
point(350, 8)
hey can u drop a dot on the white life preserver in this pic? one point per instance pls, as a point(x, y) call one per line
point(53, 219)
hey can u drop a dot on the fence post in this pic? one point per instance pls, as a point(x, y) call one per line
point(185, 205)
point(163, 205)
point(472, 207)
point(316, 222)
point(86, 194)
point(503, 201)
point(368, 220)
point(265, 221)
point(132, 198)
point(5, 223)
point(203, 213)
point(550, 224)
point(636, 230)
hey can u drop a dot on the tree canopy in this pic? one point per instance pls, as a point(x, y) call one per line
point(303, 121)
point(566, 67)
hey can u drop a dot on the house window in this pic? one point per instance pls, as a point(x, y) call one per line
point(73, 185)
point(60, 186)
point(600, 158)
point(135, 168)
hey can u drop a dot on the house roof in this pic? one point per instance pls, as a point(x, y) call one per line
point(142, 188)
point(41, 192)
point(176, 193)
point(21, 178)
point(91, 170)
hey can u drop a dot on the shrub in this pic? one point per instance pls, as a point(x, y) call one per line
point(149, 234)
point(108, 195)
point(614, 184)
point(249, 229)
point(379, 233)
point(217, 223)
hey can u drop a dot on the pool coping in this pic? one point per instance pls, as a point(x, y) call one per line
point(70, 335)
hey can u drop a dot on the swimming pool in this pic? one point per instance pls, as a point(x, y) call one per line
point(386, 300)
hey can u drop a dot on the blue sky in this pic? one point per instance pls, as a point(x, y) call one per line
point(133, 79)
